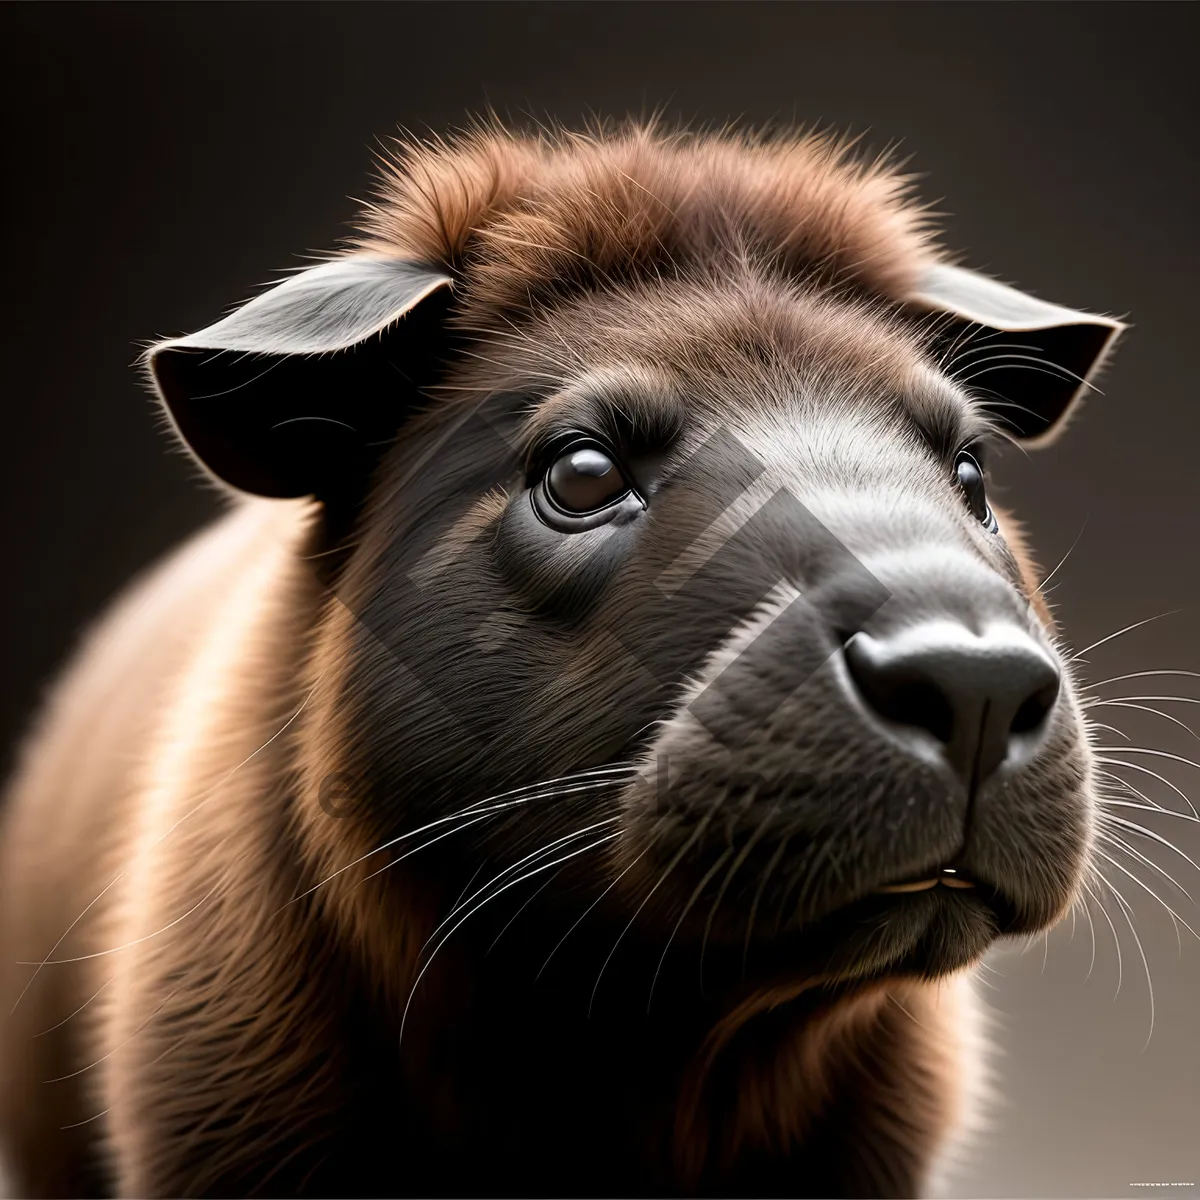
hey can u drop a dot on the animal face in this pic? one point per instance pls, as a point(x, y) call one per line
point(695, 533)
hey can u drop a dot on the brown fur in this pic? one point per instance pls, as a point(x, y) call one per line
point(527, 214)
point(184, 758)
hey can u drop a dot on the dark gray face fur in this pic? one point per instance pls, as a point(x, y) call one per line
point(794, 495)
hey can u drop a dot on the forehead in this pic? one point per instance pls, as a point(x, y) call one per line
point(656, 357)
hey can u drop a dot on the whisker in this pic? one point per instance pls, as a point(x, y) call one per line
point(1146, 771)
point(533, 856)
point(1113, 928)
point(1117, 779)
point(1110, 839)
point(499, 802)
point(1146, 675)
point(1087, 912)
point(774, 861)
point(1127, 912)
point(86, 1120)
point(127, 945)
point(1041, 586)
point(1094, 724)
point(387, 866)
point(536, 893)
point(80, 1009)
point(1142, 831)
point(984, 347)
point(704, 880)
point(474, 876)
point(466, 916)
point(1127, 629)
point(1146, 709)
point(701, 825)
point(751, 842)
point(579, 920)
point(1187, 762)
point(116, 1049)
point(1167, 812)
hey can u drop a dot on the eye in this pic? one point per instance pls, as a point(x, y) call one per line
point(584, 479)
point(583, 487)
point(969, 474)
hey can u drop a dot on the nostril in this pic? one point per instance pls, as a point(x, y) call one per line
point(924, 704)
point(898, 688)
point(1035, 708)
point(901, 698)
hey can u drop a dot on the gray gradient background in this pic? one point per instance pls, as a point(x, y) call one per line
point(160, 160)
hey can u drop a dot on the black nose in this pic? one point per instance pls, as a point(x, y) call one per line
point(977, 695)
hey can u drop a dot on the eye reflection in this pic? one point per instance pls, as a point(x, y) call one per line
point(969, 474)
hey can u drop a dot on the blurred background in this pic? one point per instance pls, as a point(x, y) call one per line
point(163, 159)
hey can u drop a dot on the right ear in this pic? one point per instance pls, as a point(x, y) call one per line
point(297, 392)
point(1030, 360)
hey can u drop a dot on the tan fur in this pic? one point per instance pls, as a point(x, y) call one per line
point(523, 212)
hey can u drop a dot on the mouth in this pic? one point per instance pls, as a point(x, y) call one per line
point(965, 887)
point(951, 877)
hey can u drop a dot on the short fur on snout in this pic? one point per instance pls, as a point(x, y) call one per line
point(412, 832)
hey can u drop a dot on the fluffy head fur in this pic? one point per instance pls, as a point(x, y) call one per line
point(526, 217)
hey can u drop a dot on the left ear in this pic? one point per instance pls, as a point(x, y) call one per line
point(298, 392)
point(1029, 360)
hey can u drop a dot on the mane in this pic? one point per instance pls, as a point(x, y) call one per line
point(524, 217)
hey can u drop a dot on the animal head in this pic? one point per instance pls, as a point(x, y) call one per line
point(668, 575)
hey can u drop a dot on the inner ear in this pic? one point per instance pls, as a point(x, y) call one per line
point(1027, 379)
point(1027, 360)
point(301, 390)
point(294, 425)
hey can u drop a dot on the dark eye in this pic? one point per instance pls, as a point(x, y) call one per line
point(584, 479)
point(583, 487)
point(970, 478)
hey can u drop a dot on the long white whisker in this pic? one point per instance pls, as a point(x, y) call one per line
point(1142, 831)
point(1127, 912)
point(466, 916)
point(536, 893)
point(1127, 629)
point(1087, 912)
point(1110, 839)
point(387, 866)
point(532, 856)
point(1094, 724)
point(612, 774)
point(1129, 787)
point(1145, 675)
point(580, 918)
point(1113, 928)
point(1179, 758)
point(1167, 812)
point(701, 825)
point(704, 880)
point(136, 941)
point(1154, 774)
point(1146, 709)
point(1042, 586)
